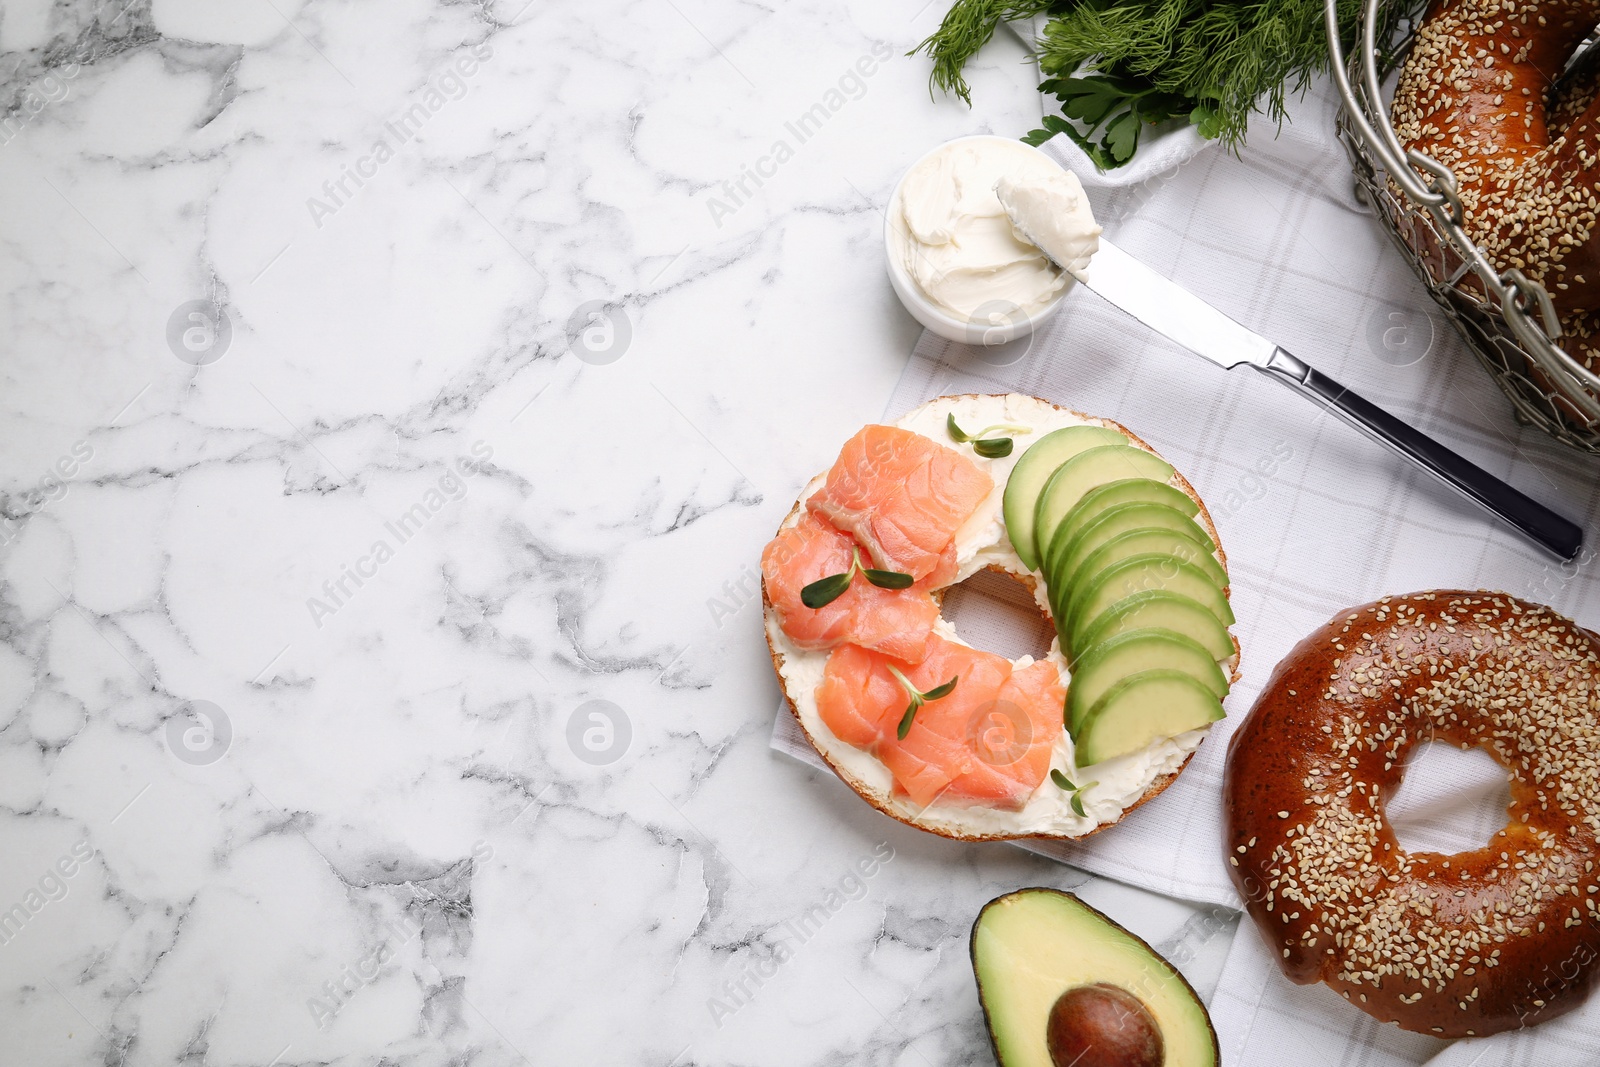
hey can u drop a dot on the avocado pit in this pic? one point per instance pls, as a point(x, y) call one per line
point(1102, 1025)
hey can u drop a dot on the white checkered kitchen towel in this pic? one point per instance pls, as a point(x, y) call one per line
point(1314, 516)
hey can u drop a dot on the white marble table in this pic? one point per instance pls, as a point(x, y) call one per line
point(331, 509)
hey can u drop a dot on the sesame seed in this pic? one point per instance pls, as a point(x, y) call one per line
point(1478, 671)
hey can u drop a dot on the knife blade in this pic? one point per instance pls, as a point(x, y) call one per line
point(1180, 316)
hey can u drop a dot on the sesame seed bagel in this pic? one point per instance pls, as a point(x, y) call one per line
point(1471, 95)
point(1452, 945)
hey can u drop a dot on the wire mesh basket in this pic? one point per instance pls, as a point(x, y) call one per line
point(1506, 318)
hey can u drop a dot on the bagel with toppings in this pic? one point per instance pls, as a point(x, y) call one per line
point(1459, 945)
point(1121, 556)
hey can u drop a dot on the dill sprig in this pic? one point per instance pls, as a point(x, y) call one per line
point(1117, 66)
point(966, 28)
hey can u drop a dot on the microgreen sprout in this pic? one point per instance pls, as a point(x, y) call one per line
point(984, 445)
point(918, 699)
point(825, 591)
point(1065, 783)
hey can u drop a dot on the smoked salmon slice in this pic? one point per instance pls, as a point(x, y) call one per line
point(1037, 693)
point(903, 496)
point(988, 741)
point(896, 622)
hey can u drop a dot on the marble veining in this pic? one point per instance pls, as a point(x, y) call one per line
point(396, 397)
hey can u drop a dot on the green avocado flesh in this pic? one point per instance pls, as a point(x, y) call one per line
point(1143, 543)
point(1031, 946)
point(1087, 471)
point(1073, 543)
point(1096, 502)
point(1137, 575)
point(1155, 609)
point(1140, 709)
point(1034, 469)
point(1107, 664)
point(1133, 583)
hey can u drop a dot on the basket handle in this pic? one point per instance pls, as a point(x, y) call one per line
point(1396, 160)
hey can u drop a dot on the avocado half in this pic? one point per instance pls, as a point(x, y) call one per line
point(1032, 946)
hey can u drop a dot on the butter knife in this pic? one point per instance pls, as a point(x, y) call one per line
point(1179, 315)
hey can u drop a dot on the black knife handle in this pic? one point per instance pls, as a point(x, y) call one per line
point(1543, 526)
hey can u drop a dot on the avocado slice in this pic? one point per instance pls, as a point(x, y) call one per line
point(1144, 543)
point(1069, 548)
point(1155, 608)
point(1136, 575)
point(1089, 470)
point(1034, 949)
point(1108, 663)
point(1140, 709)
point(1098, 501)
point(1033, 470)
point(1138, 543)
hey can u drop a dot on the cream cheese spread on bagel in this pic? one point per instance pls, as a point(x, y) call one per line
point(982, 541)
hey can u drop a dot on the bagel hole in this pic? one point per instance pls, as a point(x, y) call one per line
point(995, 612)
point(1450, 799)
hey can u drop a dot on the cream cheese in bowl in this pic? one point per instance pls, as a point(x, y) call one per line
point(956, 259)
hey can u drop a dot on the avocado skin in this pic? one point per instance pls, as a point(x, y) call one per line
point(1170, 971)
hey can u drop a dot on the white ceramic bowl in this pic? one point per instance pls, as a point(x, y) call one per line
point(928, 313)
